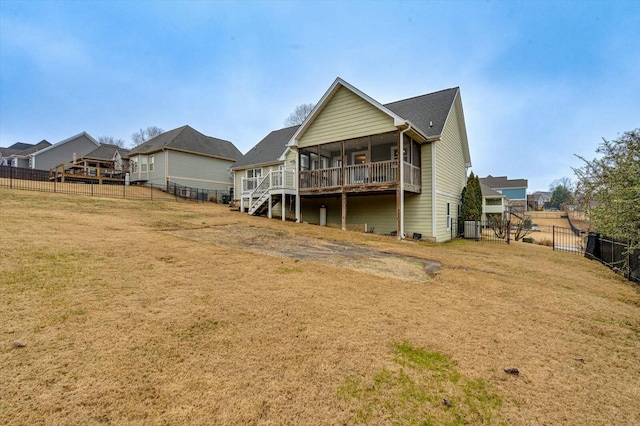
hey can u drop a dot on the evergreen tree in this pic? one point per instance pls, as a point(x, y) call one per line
point(471, 199)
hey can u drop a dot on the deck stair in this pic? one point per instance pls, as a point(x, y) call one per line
point(271, 186)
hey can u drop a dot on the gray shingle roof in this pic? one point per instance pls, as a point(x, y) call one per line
point(34, 148)
point(488, 192)
point(186, 138)
point(503, 182)
point(5, 152)
point(106, 152)
point(428, 112)
point(268, 150)
point(20, 146)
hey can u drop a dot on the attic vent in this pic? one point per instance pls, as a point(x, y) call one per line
point(430, 123)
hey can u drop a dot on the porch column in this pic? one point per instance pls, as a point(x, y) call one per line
point(269, 214)
point(344, 210)
point(298, 216)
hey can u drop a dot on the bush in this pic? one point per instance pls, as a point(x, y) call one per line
point(213, 199)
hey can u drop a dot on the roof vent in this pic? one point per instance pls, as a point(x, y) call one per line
point(431, 124)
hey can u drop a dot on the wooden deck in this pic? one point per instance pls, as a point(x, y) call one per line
point(81, 173)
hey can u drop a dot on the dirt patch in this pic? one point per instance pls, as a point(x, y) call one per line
point(335, 253)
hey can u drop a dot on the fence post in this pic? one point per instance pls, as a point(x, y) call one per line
point(11, 175)
point(508, 232)
point(91, 180)
point(151, 191)
point(553, 237)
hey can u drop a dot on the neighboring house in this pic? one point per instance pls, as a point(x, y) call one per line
point(107, 163)
point(494, 204)
point(264, 159)
point(106, 156)
point(62, 152)
point(514, 189)
point(185, 157)
point(346, 168)
point(536, 200)
point(17, 155)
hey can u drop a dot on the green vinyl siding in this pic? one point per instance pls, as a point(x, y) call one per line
point(450, 170)
point(417, 207)
point(345, 116)
point(199, 171)
point(377, 211)
point(158, 175)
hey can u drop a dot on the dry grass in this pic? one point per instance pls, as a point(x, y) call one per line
point(126, 321)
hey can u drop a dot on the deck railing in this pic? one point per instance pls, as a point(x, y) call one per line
point(366, 174)
point(275, 179)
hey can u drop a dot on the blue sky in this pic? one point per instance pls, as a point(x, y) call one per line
point(540, 81)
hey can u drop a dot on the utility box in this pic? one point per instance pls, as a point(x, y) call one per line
point(471, 229)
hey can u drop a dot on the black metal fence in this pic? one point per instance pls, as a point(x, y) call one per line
point(489, 230)
point(44, 181)
point(569, 240)
point(199, 194)
point(614, 254)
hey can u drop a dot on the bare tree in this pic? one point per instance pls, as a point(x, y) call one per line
point(298, 115)
point(144, 135)
point(112, 141)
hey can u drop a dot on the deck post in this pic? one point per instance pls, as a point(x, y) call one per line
point(344, 210)
point(269, 214)
point(283, 203)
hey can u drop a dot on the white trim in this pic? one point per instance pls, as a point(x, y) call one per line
point(433, 191)
point(448, 194)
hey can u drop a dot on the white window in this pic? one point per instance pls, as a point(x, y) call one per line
point(143, 163)
point(252, 178)
point(134, 165)
point(448, 215)
point(254, 173)
point(151, 163)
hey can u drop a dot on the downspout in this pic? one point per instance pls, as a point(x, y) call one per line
point(401, 235)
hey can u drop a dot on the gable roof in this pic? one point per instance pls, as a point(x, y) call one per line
point(106, 152)
point(326, 98)
point(268, 150)
point(188, 139)
point(50, 147)
point(427, 112)
point(503, 182)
